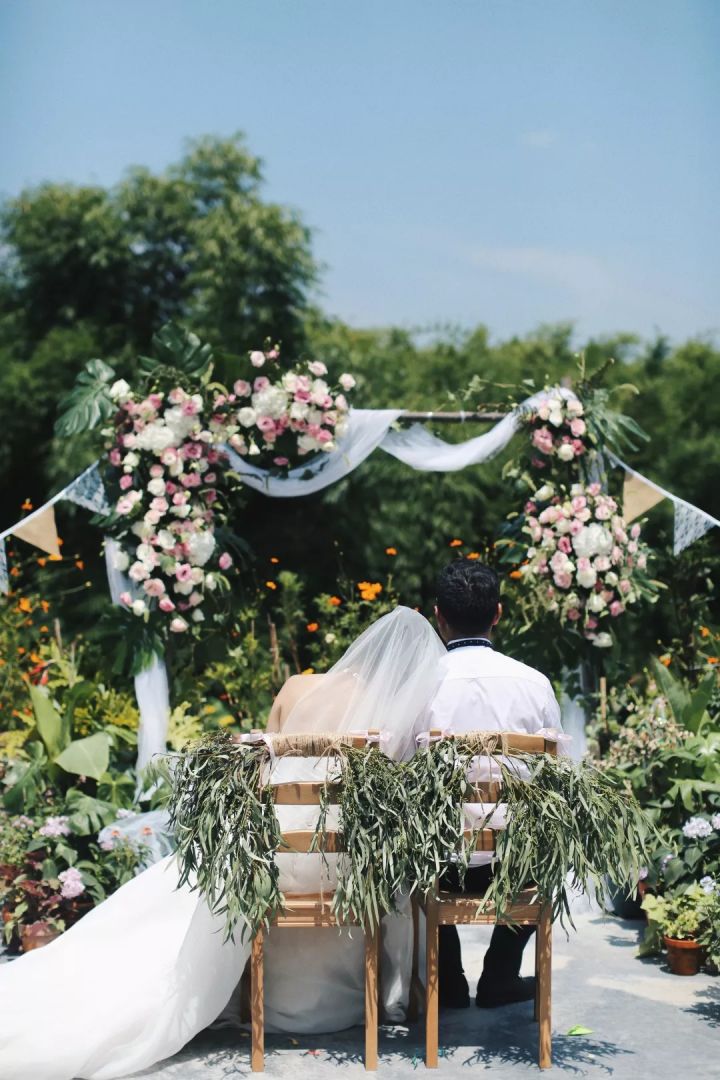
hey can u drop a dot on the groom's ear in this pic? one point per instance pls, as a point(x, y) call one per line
point(498, 615)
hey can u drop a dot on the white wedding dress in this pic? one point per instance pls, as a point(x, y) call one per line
point(149, 968)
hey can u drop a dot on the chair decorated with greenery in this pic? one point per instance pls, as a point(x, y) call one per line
point(442, 908)
point(316, 909)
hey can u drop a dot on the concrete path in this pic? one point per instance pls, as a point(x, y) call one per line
point(645, 1023)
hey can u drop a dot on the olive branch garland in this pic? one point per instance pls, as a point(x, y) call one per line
point(568, 826)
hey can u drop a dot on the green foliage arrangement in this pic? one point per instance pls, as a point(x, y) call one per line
point(683, 917)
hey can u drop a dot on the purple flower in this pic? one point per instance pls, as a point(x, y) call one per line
point(55, 826)
point(72, 883)
point(22, 822)
point(707, 884)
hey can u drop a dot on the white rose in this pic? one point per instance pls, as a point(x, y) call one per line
point(347, 381)
point(555, 418)
point(545, 492)
point(593, 540)
point(183, 588)
point(156, 486)
point(565, 451)
point(165, 540)
point(142, 530)
point(254, 450)
point(611, 578)
point(575, 407)
point(316, 367)
point(602, 641)
point(211, 582)
point(146, 554)
point(121, 560)
point(586, 578)
point(257, 358)
point(596, 602)
point(299, 410)
point(307, 443)
point(131, 460)
point(290, 382)
point(178, 625)
point(197, 615)
point(200, 547)
point(139, 607)
point(119, 389)
point(330, 638)
point(272, 402)
point(138, 572)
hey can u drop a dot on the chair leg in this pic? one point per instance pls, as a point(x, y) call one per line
point(415, 998)
point(257, 1004)
point(536, 1006)
point(372, 957)
point(432, 1002)
point(544, 975)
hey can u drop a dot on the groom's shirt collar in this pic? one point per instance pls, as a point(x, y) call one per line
point(469, 643)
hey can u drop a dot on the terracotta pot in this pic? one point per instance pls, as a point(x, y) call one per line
point(684, 957)
point(37, 934)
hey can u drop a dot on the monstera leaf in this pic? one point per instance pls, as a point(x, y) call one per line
point(180, 350)
point(88, 403)
point(51, 726)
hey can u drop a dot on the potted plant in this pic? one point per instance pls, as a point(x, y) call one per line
point(36, 934)
point(678, 922)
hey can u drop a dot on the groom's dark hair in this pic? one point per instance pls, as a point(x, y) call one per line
point(468, 594)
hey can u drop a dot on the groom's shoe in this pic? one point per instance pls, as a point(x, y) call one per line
point(493, 996)
point(455, 995)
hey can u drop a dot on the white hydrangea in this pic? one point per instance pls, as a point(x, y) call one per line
point(200, 547)
point(593, 540)
point(272, 402)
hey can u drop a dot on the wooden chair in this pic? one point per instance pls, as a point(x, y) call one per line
point(444, 908)
point(310, 910)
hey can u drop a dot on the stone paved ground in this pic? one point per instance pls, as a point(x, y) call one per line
point(645, 1023)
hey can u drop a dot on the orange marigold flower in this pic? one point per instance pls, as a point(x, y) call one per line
point(44, 630)
point(713, 659)
point(270, 585)
point(21, 650)
point(312, 627)
point(516, 574)
point(456, 543)
point(55, 558)
point(24, 604)
point(42, 560)
point(45, 605)
point(274, 559)
point(473, 555)
point(27, 505)
point(704, 632)
point(334, 601)
point(14, 572)
point(80, 564)
point(666, 660)
point(391, 551)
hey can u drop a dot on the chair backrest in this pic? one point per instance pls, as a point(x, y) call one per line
point(496, 744)
point(311, 792)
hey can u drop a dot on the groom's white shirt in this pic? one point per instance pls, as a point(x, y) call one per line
point(480, 689)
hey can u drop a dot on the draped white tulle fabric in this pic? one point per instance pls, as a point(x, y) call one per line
point(149, 968)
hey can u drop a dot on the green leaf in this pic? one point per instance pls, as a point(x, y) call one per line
point(678, 697)
point(87, 815)
point(88, 403)
point(48, 720)
point(178, 348)
point(86, 757)
point(580, 1030)
point(695, 709)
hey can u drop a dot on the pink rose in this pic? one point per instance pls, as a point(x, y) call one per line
point(324, 436)
point(616, 608)
point(166, 604)
point(316, 367)
point(183, 572)
point(154, 587)
point(125, 482)
point(178, 625)
point(265, 423)
point(624, 586)
point(602, 563)
point(564, 545)
point(583, 563)
point(591, 623)
point(273, 354)
point(642, 562)
point(563, 580)
point(242, 388)
point(115, 457)
point(192, 451)
point(126, 599)
point(573, 614)
point(225, 561)
point(576, 526)
point(542, 440)
point(156, 471)
point(594, 489)
point(257, 359)
point(191, 480)
point(577, 427)
point(579, 503)
point(303, 396)
point(635, 531)
point(261, 383)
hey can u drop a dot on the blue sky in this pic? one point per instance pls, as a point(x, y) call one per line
point(510, 162)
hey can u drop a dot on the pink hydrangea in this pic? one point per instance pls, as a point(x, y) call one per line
point(225, 561)
point(72, 883)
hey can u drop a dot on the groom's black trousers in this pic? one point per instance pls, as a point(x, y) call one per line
point(504, 955)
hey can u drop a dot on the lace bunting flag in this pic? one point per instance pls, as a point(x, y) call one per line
point(690, 525)
point(88, 491)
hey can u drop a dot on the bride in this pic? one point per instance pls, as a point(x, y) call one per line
point(145, 971)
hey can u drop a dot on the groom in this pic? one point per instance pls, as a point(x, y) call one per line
point(481, 689)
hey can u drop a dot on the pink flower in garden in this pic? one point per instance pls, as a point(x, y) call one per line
point(302, 396)
point(635, 531)
point(155, 401)
point(242, 388)
point(273, 354)
point(191, 480)
point(180, 497)
point(602, 563)
point(576, 526)
point(124, 506)
point(125, 598)
point(341, 403)
point(261, 383)
point(169, 456)
point(316, 367)
point(641, 561)
point(578, 427)
point(192, 451)
point(563, 579)
point(578, 447)
point(166, 604)
point(190, 408)
point(170, 487)
point(573, 614)
point(183, 572)
point(55, 826)
point(225, 561)
point(125, 482)
point(564, 545)
point(591, 623)
point(583, 563)
point(603, 512)
point(159, 504)
point(72, 883)
point(324, 436)
point(624, 586)
point(257, 359)
point(176, 396)
point(154, 587)
point(156, 471)
point(178, 625)
point(265, 423)
point(578, 503)
point(115, 457)
point(543, 440)
point(303, 383)
point(616, 608)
